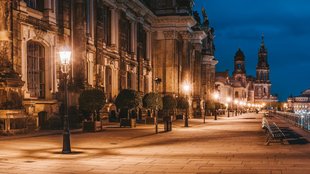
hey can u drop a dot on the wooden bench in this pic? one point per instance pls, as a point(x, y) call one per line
point(274, 134)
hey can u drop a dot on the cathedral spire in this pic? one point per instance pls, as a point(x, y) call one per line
point(263, 41)
point(262, 54)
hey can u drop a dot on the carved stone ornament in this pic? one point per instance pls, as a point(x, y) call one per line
point(4, 55)
point(185, 35)
point(39, 34)
point(170, 34)
point(4, 15)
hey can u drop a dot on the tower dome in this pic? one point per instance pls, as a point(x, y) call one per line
point(239, 56)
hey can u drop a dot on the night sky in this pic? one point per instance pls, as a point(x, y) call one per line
point(286, 27)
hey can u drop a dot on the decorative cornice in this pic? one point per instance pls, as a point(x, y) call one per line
point(174, 21)
point(185, 35)
point(198, 36)
point(209, 60)
point(170, 34)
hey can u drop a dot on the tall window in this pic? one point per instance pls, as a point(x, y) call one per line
point(35, 69)
point(107, 25)
point(125, 33)
point(129, 85)
point(141, 41)
point(35, 4)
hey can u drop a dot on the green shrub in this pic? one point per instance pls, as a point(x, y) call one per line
point(152, 101)
point(169, 102)
point(129, 99)
point(91, 101)
point(182, 103)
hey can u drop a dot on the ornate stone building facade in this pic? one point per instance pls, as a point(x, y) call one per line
point(116, 44)
point(243, 87)
point(299, 104)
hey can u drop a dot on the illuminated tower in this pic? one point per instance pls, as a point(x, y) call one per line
point(262, 84)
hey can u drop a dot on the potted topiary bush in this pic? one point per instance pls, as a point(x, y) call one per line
point(153, 102)
point(127, 101)
point(90, 103)
point(182, 104)
point(169, 105)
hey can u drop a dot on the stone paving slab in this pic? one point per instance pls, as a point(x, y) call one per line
point(228, 145)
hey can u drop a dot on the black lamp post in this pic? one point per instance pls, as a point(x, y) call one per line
point(157, 82)
point(186, 89)
point(228, 100)
point(216, 97)
point(65, 56)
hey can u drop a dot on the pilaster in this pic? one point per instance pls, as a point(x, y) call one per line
point(50, 11)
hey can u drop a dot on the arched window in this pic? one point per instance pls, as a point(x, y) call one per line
point(236, 94)
point(35, 69)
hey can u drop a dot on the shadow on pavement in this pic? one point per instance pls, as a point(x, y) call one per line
point(293, 137)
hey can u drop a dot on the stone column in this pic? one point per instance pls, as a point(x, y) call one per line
point(114, 28)
point(186, 57)
point(134, 38)
point(49, 11)
point(79, 43)
point(148, 45)
point(6, 56)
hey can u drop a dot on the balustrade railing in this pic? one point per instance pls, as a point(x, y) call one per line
point(300, 120)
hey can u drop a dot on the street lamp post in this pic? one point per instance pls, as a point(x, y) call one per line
point(157, 82)
point(236, 106)
point(216, 97)
point(65, 56)
point(186, 89)
point(228, 100)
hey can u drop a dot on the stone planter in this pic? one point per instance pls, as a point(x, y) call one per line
point(124, 122)
point(13, 121)
point(92, 126)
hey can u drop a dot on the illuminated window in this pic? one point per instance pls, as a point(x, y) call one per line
point(35, 69)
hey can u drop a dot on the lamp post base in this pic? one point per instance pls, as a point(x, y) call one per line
point(186, 121)
point(66, 147)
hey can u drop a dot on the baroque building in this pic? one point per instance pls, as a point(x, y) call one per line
point(115, 44)
point(243, 87)
point(299, 104)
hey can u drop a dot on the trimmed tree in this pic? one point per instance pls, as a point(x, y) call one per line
point(128, 99)
point(90, 103)
point(152, 101)
point(169, 103)
point(182, 103)
point(210, 106)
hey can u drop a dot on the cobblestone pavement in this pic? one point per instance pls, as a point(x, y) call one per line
point(228, 145)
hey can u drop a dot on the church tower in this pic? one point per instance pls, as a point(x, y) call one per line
point(239, 73)
point(262, 82)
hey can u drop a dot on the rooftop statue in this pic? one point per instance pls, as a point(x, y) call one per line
point(205, 17)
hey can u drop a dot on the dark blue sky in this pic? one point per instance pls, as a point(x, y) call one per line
point(286, 26)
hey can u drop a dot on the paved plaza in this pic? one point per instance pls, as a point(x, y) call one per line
point(228, 145)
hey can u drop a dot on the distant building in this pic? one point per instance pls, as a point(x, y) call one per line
point(246, 88)
point(299, 104)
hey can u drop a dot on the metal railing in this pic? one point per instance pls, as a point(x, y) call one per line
point(300, 120)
